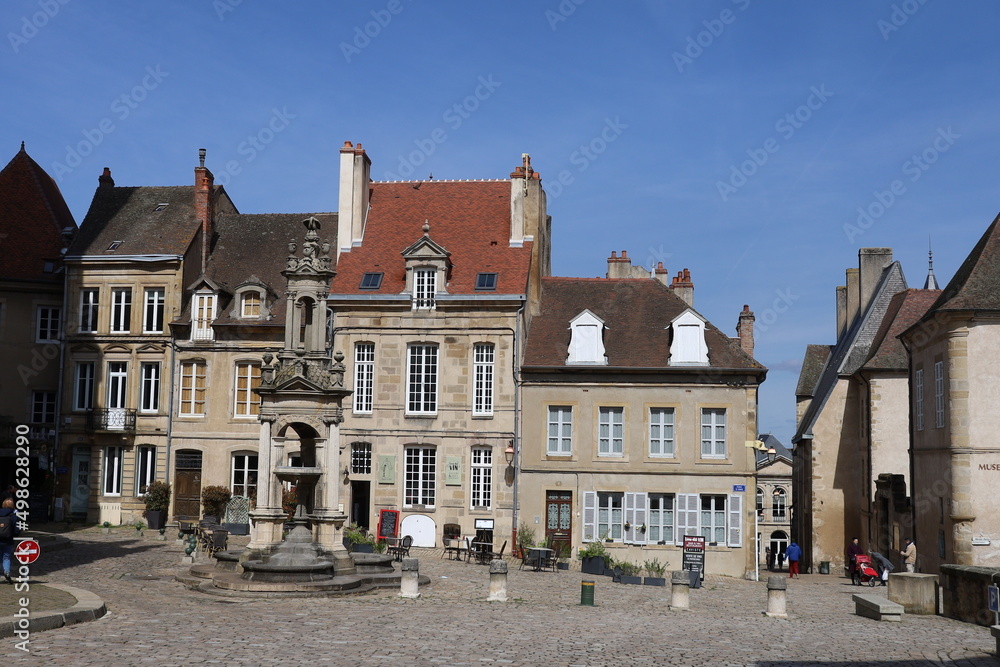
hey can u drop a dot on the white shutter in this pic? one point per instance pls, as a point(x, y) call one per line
point(629, 517)
point(639, 518)
point(686, 516)
point(589, 516)
point(735, 520)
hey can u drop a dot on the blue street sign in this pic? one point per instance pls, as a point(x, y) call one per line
point(739, 488)
point(994, 596)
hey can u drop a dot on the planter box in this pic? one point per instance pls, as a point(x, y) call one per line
point(635, 581)
point(654, 581)
point(237, 528)
point(562, 566)
point(592, 565)
point(156, 519)
point(362, 548)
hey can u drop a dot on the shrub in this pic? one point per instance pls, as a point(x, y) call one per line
point(525, 536)
point(289, 501)
point(595, 548)
point(157, 497)
point(214, 500)
point(654, 568)
point(629, 569)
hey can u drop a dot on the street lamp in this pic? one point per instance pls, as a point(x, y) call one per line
point(508, 454)
point(772, 454)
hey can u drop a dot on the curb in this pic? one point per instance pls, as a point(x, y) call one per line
point(88, 607)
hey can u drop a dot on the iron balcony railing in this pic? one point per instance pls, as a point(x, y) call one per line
point(111, 419)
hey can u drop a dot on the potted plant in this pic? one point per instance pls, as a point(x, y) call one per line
point(157, 500)
point(525, 538)
point(563, 556)
point(358, 540)
point(655, 569)
point(214, 500)
point(630, 573)
point(593, 557)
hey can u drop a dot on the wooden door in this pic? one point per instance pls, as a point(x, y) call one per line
point(187, 484)
point(559, 520)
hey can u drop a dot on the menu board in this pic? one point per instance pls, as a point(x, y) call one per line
point(388, 523)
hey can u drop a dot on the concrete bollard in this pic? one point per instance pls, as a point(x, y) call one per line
point(498, 581)
point(776, 588)
point(409, 584)
point(680, 591)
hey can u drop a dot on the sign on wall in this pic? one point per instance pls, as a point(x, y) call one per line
point(386, 469)
point(453, 470)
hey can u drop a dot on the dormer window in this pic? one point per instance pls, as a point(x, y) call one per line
point(202, 316)
point(688, 347)
point(486, 281)
point(586, 343)
point(250, 305)
point(424, 288)
point(371, 280)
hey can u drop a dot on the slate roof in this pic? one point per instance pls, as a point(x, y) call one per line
point(812, 366)
point(637, 315)
point(782, 452)
point(904, 309)
point(129, 214)
point(255, 246)
point(976, 284)
point(470, 219)
point(33, 214)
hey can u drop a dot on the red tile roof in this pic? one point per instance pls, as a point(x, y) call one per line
point(470, 219)
point(33, 214)
point(904, 309)
point(637, 314)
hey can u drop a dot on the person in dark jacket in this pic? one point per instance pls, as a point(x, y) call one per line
point(853, 551)
point(794, 553)
point(7, 545)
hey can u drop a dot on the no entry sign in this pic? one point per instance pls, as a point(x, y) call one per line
point(27, 552)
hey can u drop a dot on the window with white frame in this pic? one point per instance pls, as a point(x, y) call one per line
point(112, 482)
point(89, 298)
point(610, 516)
point(661, 432)
point(938, 394)
point(152, 316)
point(250, 304)
point(717, 517)
point(560, 430)
point(149, 393)
point(779, 504)
point(586, 341)
point(47, 321)
point(117, 397)
point(203, 314)
point(364, 377)
point(145, 468)
point(83, 385)
point(421, 380)
point(361, 458)
point(482, 361)
point(192, 399)
point(247, 402)
point(918, 398)
point(419, 480)
point(713, 433)
point(760, 503)
point(688, 346)
point(424, 288)
point(43, 407)
point(482, 478)
point(121, 310)
point(611, 431)
point(243, 481)
point(713, 518)
point(661, 518)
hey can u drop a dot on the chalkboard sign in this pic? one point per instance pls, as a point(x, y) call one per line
point(388, 523)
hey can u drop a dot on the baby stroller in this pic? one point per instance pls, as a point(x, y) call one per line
point(865, 572)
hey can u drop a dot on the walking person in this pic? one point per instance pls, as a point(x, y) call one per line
point(853, 551)
point(794, 553)
point(781, 560)
point(8, 530)
point(910, 555)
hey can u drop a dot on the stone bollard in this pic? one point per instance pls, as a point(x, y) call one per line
point(409, 584)
point(498, 581)
point(776, 586)
point(680, 591)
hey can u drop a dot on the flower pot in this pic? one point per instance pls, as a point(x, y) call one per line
point(654, 581)
point(562, 566)
point(156, 519)
point(237, 528)
point(362, 548)
point(628, 579)
point(592, 564)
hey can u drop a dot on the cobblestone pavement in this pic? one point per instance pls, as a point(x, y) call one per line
point(154, 620)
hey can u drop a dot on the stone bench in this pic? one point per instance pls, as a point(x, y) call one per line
point(877, 607)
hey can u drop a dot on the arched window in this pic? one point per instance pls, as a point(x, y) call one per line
point(760, 503)
point(779, 503)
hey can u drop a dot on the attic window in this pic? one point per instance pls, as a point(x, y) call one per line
point(371, 281)
point(159, 207)
point(586, 345)
point(114, 245)
point(486, 281)
point(688, 347)
point(48, 267)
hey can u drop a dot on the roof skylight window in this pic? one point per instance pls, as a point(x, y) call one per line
point(114, 245)
point(371, 281)
point(160, 207)
point(486, 281)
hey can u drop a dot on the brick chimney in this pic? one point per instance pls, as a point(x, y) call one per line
point(105, 180)
point(530, 221)
point(204, 205)
point(683, 287)
point(355, 193)
point(660, 273)
point(871, 263)
point(619, 267)
point(841, 310)
point(744, 329)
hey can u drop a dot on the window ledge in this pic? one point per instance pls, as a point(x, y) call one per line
point(482, 416)
point(427, 416)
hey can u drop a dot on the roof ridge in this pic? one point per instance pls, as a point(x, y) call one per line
point(452, 180)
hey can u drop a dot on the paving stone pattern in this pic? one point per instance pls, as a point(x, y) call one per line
point(154, 620)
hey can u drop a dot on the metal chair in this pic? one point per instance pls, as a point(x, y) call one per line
point(403, 549)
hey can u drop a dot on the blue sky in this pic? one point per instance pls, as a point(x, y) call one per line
point(736, 138)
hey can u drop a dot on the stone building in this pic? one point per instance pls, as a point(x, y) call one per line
point(636, 415)
point(775, 499)
point(35, 228)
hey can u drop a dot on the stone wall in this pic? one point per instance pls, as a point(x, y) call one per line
point(963, 591)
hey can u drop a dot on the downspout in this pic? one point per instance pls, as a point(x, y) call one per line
point(515, 368)
point(60, 386)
